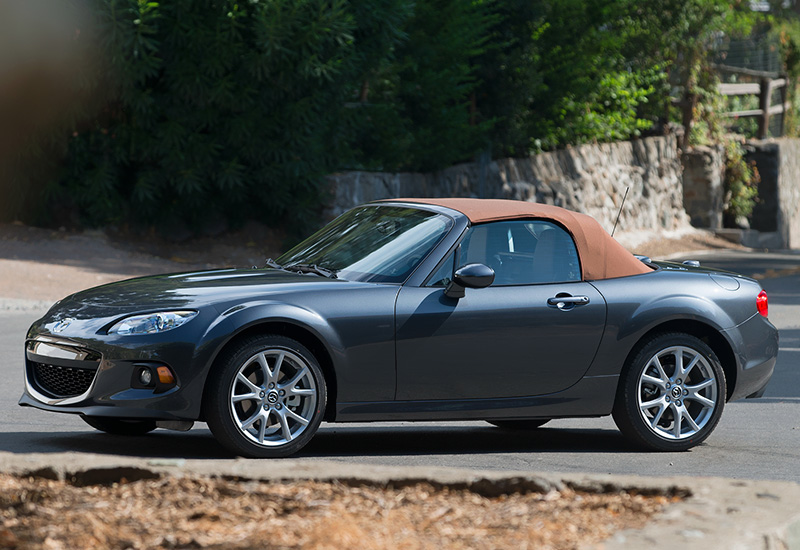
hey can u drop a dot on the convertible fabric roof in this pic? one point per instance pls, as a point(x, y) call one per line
point(601, 256)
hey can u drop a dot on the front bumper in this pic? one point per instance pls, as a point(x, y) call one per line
point(98, 378)
point(88, 409)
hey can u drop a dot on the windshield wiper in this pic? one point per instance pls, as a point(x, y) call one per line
point(311, 268)
point(302, 268)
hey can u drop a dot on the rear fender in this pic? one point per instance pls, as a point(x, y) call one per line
point(630, 320)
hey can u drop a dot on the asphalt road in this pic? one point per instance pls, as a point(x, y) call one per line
point(756, 439)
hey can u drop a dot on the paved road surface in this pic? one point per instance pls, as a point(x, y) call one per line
point(756, 439)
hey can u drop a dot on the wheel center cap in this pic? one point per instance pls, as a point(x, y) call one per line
point(676, 392)
point(272, 397)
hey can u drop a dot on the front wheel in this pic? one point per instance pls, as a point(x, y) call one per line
point(265, 398)
point(120, 426)
point(671, 393)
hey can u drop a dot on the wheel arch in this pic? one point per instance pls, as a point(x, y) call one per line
point(296, 332)
point(705, 332)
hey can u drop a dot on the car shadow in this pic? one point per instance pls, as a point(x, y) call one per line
point(344, 441)
point(160, 444)
point(335, 441)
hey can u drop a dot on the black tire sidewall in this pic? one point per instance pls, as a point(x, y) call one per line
point(626, 410)
point(217, 406)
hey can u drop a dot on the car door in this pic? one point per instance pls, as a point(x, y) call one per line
point(534, 331)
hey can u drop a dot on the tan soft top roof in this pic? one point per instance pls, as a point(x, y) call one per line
point(601, 256)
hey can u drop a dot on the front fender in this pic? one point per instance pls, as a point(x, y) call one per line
point(235, 320)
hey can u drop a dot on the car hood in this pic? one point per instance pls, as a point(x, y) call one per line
point(190, 291)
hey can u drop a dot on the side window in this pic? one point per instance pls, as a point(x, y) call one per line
point(444, 274)
point(523, 252)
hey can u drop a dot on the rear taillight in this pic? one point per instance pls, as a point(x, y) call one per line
point(762, 303)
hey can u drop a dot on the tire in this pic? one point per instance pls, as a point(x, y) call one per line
point(672, 376)
point(531, 424)
point(265, 398)
point(120, 426)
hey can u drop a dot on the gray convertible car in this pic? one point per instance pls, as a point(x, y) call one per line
point(505, 311)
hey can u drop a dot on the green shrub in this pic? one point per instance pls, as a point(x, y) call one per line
point(741, 181)
point(207, 110)
point(221, 109)
point(419, 112)
point(564, 78)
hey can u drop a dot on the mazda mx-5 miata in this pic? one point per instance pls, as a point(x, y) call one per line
point(449, 309)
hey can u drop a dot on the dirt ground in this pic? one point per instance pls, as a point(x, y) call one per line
point(39, 266)
point(192, 512)
point(46, 265)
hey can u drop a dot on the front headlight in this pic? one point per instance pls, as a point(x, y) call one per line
point(151, 323)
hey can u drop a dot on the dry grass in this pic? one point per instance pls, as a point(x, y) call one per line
point(194, 512)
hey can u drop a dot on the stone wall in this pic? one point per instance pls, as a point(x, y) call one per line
point(589, 178)
point(703, 185)
point(778, 209)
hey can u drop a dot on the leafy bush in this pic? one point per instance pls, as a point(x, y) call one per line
point(564, 78)
point(788, 31)
point(224, 110)
point(418, 112)
point(680, 35)
point(741, 182)
point(211, 110)
point(611, 111)
point(219, 109)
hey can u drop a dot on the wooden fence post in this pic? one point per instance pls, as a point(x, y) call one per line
point(768, 83)
point(764, 100)
point(783, 89)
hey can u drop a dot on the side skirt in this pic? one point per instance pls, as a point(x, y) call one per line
point(591, 396)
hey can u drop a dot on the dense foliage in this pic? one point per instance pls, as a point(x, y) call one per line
point(787, 29)
point(222, 109)
point(418, 111)
point(741, 183)
point(205, 110)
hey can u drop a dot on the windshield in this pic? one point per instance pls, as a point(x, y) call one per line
point(372, 243)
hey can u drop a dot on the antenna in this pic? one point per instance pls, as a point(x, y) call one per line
point(620, 209)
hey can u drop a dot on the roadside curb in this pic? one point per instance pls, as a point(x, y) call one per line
point(714, 513)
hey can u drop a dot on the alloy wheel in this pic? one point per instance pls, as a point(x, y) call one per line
point(677, 392)
point(273, 397)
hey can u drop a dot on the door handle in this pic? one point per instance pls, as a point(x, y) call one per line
point(567, 302)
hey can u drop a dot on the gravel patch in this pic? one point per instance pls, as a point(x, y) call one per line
point(196, 512)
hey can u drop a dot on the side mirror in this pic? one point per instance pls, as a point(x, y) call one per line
point(469, 276)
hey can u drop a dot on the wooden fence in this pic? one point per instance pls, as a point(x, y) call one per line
point(767, 83)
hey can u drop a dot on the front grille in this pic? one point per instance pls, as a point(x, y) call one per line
point(63, 381)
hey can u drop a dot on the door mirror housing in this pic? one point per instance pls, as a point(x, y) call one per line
point(469, 276)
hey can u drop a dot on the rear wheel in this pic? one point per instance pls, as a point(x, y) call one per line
point(120, 426)
point(265, 398)
point(671, 394)
point(531, 424)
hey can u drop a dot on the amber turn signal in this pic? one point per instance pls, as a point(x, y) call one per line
point(165, 375)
